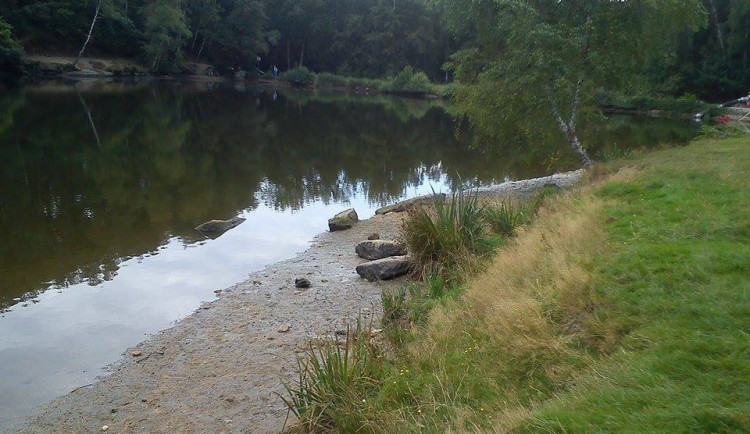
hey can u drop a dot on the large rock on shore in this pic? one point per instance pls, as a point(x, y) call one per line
point(343, 220)
point(385, 269)
point(406, 204)
point(379, 249)
point(218, 226)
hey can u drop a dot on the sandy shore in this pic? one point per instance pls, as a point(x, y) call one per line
point(220, 369)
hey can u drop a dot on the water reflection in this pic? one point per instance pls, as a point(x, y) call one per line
point(92, 176)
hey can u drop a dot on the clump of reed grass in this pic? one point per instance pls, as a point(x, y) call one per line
point(335, 379)
point(443, 238)
point(503, 218)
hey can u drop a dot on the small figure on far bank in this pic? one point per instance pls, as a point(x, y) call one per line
point(275, 72)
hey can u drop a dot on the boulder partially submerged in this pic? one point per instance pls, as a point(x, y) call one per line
point(343, 220)
point(385, 269)
point(379, 249)
point(219, 226)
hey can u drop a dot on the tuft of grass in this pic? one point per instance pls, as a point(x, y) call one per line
point(504, 217)
point(613, 152)
point(335, 379)
point(443, 238)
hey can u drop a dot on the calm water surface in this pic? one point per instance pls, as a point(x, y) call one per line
point(101, 186)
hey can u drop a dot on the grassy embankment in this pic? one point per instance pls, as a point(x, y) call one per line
point(623, 306)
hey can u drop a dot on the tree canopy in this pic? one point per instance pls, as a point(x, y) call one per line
point(525, 65)
point(533, 64)
point(355, 37)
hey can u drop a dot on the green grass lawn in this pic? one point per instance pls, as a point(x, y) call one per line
point(676, 281)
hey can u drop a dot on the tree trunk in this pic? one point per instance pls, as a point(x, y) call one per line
point(288, 56)
point(577, 147)
point(91, 119)
point(195, 37)
point(91, 30)
point(203, 43)
point(719, 35)
point(302, 55)
point(569, 128)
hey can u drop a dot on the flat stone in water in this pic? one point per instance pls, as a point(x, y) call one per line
point(217, 226)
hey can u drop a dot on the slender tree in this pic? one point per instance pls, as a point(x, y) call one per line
point(91, 30)
point(537, 63)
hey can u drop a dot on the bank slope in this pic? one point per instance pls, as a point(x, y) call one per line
point(675, 285)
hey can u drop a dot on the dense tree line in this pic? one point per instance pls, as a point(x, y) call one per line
point(370, 38)
point(353, 37)
point(713, 62)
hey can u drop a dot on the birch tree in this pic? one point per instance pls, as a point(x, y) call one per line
point(536, 63)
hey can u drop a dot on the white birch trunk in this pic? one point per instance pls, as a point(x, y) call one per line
point(91, 30)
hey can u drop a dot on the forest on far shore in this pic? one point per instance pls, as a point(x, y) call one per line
point(362, 38)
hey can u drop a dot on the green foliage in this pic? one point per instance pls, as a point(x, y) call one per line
point(299, 76)
point(442, 239)
point(10, 50)
point(721, 131)
point(335, 379)
point(533, 66)
point(410, 304)
point(408, 81)
point(164, 27)
point(713, 61)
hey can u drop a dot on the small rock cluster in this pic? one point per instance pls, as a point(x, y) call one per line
point(387, 259)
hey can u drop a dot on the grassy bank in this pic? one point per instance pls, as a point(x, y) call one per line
point(621, 307)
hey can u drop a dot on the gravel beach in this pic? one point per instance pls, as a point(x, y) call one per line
point(220, 369)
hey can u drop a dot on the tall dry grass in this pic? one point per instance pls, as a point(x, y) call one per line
point(523, 314)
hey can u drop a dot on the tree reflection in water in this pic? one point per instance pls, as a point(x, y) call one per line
point(93, 175)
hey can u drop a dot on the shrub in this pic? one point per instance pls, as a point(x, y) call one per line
point(409, 81)
point(326, 80)
point(10, 50)
point(443, 238)
point(299, 76)
point(335, 381)
point(504, 218)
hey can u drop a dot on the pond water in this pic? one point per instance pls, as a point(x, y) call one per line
point(101, 185)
